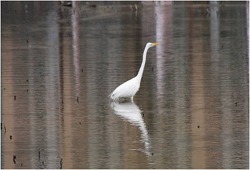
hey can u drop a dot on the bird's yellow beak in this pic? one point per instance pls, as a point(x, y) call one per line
point(155, 44)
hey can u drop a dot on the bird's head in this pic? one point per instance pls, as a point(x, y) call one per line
point(152, 44)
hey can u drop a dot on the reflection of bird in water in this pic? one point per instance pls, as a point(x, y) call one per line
point(130, 112)
point(66, 3)
point(130, 87)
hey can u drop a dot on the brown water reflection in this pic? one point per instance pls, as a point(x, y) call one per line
point(60, 63)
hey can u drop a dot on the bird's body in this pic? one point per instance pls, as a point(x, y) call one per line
point(130, 87)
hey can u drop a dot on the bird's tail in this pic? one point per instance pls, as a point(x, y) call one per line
point(112, 97)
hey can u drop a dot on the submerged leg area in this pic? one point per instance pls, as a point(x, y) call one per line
point(132, 99)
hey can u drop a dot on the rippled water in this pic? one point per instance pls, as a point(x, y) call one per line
point(60, 63)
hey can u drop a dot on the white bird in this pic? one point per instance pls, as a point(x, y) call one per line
point(130, 87)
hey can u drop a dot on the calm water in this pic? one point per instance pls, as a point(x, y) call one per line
point(60, 63)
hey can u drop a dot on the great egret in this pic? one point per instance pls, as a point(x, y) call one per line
point(130, 87)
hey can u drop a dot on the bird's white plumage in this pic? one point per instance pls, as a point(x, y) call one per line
point(127, 89)
point(130, 87)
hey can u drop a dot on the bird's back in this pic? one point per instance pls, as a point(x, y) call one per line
point(127, 89)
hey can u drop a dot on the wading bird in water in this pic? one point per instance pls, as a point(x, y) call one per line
point(130, 87)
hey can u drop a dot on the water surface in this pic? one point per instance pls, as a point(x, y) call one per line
point(60, 63)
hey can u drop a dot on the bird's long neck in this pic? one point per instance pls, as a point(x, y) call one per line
point(139, 75)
